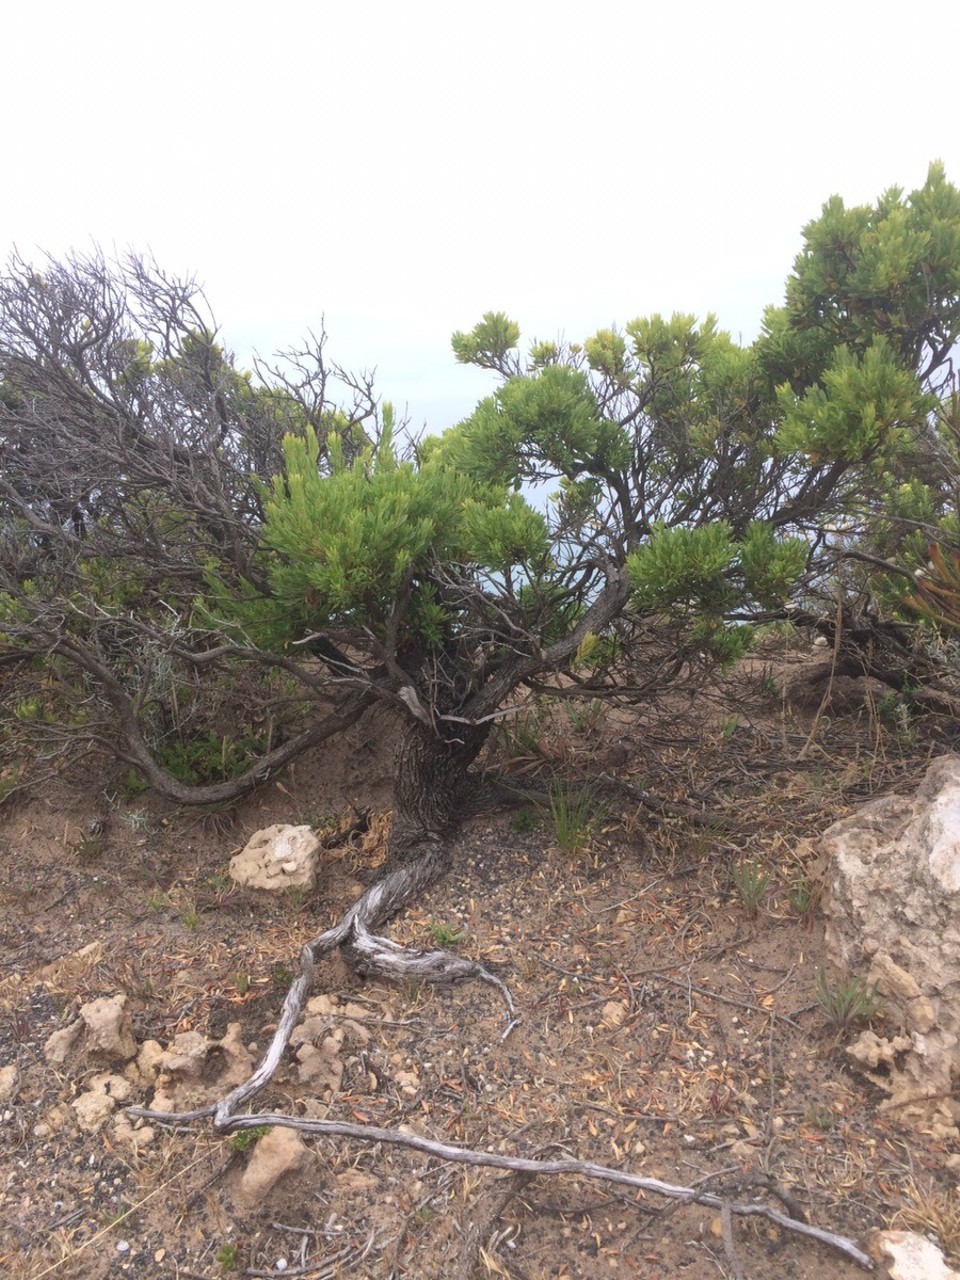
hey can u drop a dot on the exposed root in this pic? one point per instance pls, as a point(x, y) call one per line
point(518, 1164)
point(371, 953)
point(380, 955)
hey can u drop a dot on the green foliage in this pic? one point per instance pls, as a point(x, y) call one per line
point(847, 1000)
point(212, 757)
point(244, 1139)
point(488, 343)
point(524, 820)
point(771, 566)
point(887, 271)
point(574, 815)
point(189, 915)
point(595, 653)
point(584, 717)
point(228, 1255)
point(522, 736)
point(751, 881)
point(647, 494)
point(89, 847)
point(501, 537)
point(803, 896)
point(357, 541)
point(685, 567)
point(446, 935)
point(606, 353)
point(705, 573)
point(543, 425)
point(863, 405)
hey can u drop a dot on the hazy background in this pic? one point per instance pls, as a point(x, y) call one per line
point(400, 168)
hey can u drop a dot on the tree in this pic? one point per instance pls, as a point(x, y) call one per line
point(177, 536)
point(613, 517)
point(878, 285)
point(131, 451)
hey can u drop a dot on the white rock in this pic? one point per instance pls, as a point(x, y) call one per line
point(109, 1028)
point(9, 1082)
point(278, 1152)
point(132, 1134)
point(102, 1031)
point(892, 905)
point(96, 1106)
point(909, 1256)
point(278, 857)
point(194, 1071)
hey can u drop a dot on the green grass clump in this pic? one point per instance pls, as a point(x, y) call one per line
point(751, 882)
point(573, 815)
point(847, 1001)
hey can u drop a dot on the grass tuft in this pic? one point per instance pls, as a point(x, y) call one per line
point(573, 815)
point(847, 1001)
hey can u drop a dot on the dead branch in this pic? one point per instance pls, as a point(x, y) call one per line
point(518, 1164)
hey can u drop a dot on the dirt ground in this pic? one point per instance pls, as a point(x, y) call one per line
point(664, 975)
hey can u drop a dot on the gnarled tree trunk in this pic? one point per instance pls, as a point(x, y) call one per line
point(430, 781)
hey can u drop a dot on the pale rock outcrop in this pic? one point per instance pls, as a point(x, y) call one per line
point(104, 1092)
point(132, 1133)
point(278, 857)
point(279, 1152)
point(892, 903)
point(102, 1032)
point(195, 1071)
point(9, 1083)
point(908, 1256)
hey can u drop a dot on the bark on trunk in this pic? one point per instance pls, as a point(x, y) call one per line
point(430, 782)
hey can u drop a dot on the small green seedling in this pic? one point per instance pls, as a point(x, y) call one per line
point(246, 1138)
point(228, 1255)
point(573, 816)
point(524, 820)
point(446, 935)
point(846, 1001)
point(751, 882)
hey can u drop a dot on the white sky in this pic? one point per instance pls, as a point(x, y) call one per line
point(402, 166)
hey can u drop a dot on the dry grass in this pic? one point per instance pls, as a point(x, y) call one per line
point(931, 1210)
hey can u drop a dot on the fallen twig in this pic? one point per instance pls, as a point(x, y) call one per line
point(517, 1164)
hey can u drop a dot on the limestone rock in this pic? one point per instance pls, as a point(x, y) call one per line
point(149, 1060)
point(874, 1051)
point(195, 1071)
point(59, 1046)
point(9, 1083)
point(278, 1152)
point(103, 1031)
point(235, 1062)
point(278, 857)
point(321, 1065)
point(614, 1013)
point(109, 1028)
point(908, 1256)
point(892, 904)
point(132, 1134)
point(99, 1102)
point(93, 1109)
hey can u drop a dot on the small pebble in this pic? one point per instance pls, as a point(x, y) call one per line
point(123, 1246)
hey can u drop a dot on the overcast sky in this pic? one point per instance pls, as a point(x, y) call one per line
point(402, 167)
